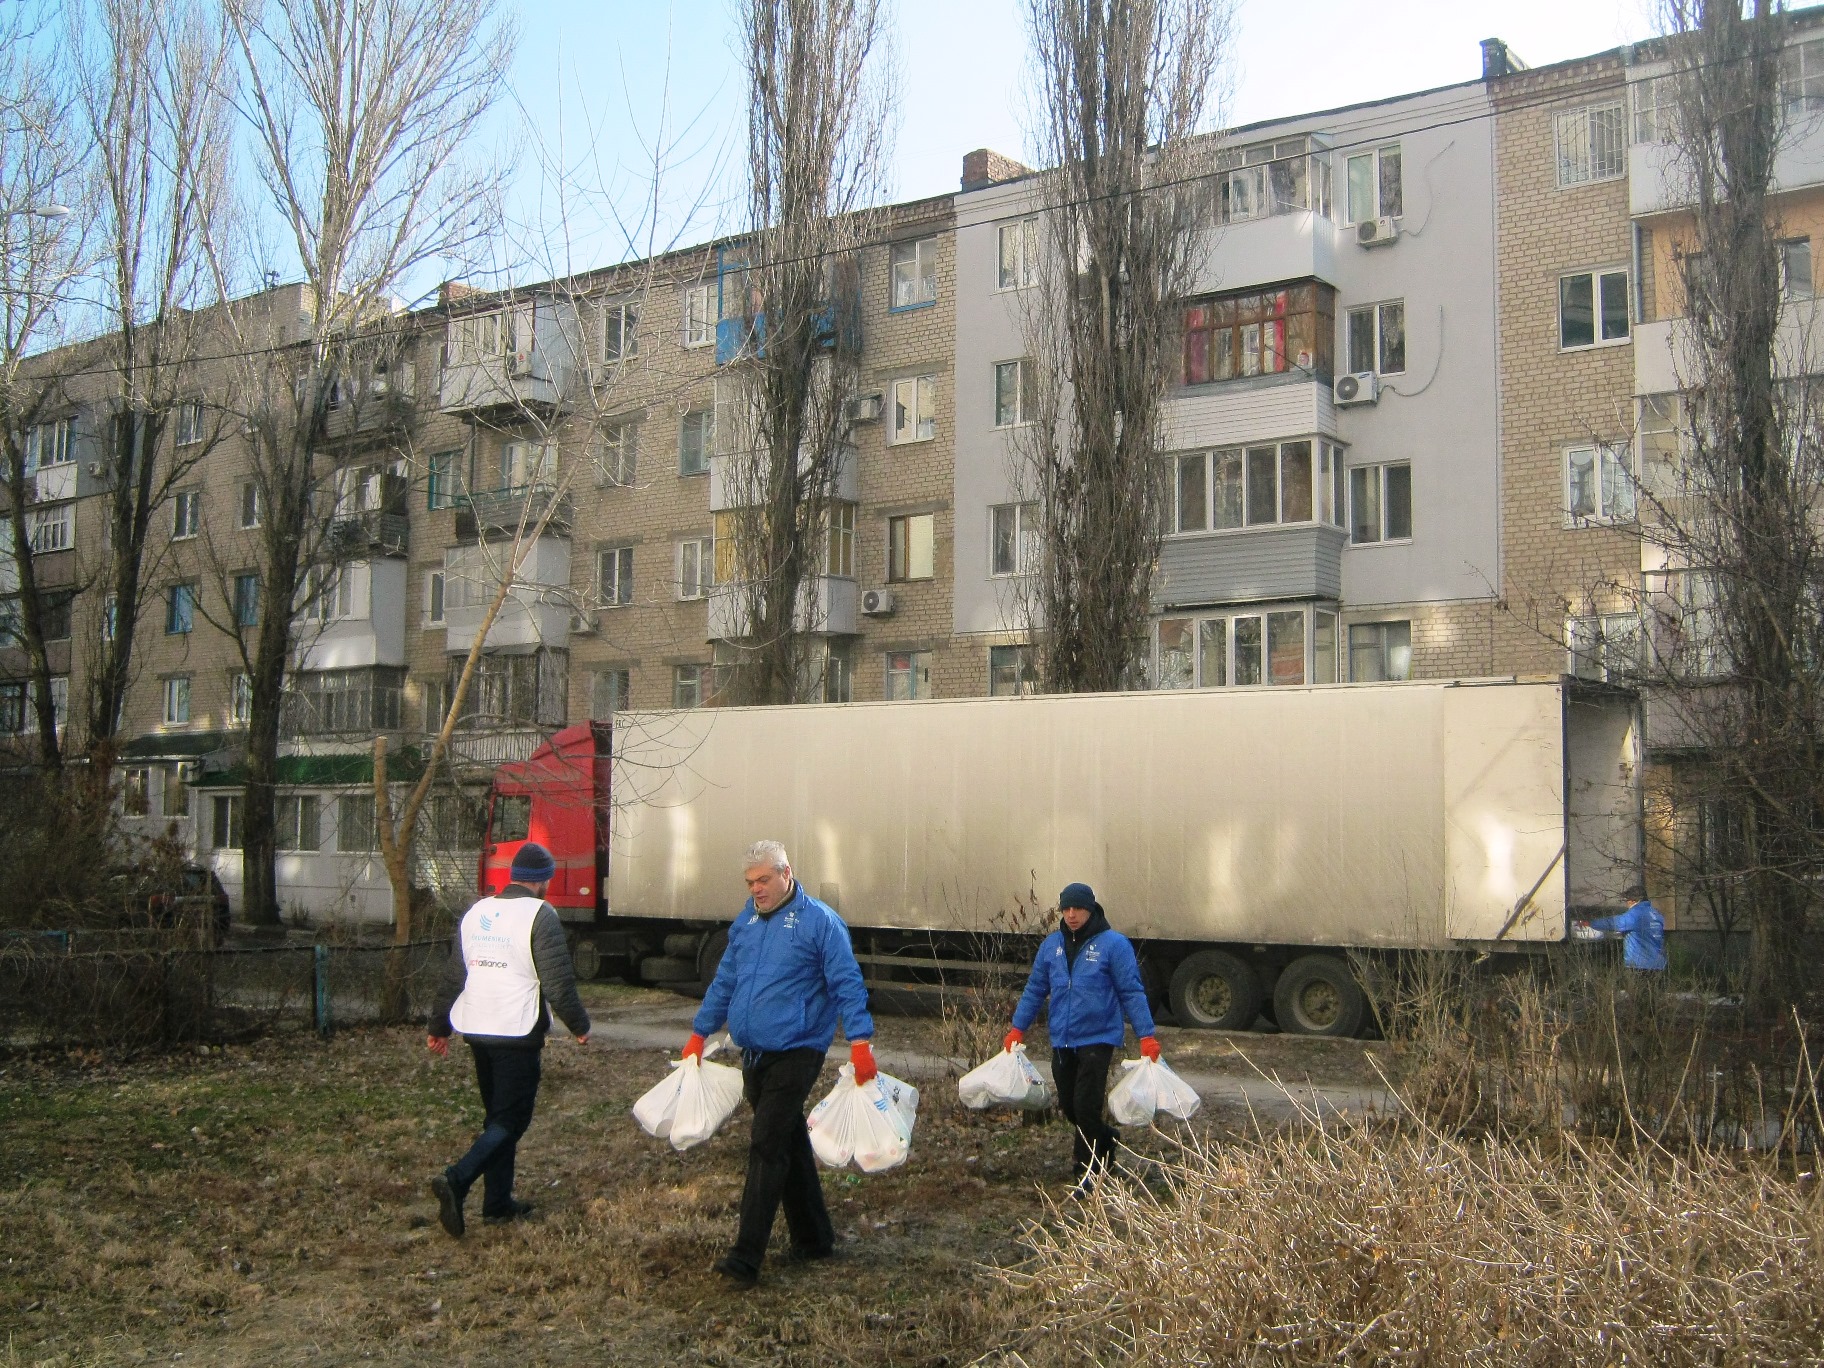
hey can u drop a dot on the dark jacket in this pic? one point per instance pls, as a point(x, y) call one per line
point(556, 981)
point(1091, 979)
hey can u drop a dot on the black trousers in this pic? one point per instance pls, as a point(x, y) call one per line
point(1082, 1079)
point(508, 1079)
point(781, 1167)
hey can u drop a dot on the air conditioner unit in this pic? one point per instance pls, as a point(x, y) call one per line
point(1376, 232)
point(521, 363)
point(94, 470)
point(865, 408)
point(1364, 387)
point(877, 602)
point(582, 624)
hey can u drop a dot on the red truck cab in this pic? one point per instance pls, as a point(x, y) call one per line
point(557, 796)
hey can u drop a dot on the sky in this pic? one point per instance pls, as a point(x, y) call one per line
point(598, 87)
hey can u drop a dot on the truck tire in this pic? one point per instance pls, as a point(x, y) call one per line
point(667, 970)
point(1318, 996)
point(709, 957)
point(1212, 990)
point(586, 957)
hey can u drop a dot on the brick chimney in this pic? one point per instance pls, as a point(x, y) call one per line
point(1498, 60)
point(451, 291)
point(982, 168)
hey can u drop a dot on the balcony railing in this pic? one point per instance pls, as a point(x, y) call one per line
point(362, 710)
point(509, 510)
point(353, 536)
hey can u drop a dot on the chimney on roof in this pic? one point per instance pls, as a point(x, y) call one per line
point(982, 168)
point(451, 291)
point(1499, 60)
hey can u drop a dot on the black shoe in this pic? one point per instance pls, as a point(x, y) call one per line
point(808, 1253)
point(738, 1274)
point(449, 1205)
point(519, 1211)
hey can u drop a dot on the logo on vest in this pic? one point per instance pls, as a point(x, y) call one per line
point(487, 922)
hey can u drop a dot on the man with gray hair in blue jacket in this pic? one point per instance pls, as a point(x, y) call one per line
point(786, 978)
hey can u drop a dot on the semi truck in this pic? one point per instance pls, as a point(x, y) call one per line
point(1246, 840)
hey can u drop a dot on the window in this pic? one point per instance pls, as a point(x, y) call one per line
point(187, 422)
point(1592, 143)
point(1380, 503)
point(110, 619)
point(1605, 647)
point(1015, 399)
point(1592, 309)
point(435, 702)
point(240, 699)
point(246, 600)
point(54, 616)
point(614, 576)
point(1013, 539)
point(180, 609)
point(608, 692)
point(527, 465)
point(1661, 459)
point(1655, 109)
point(225, 828)
point(1323, 648)
point(135, 784)
point(356, 830)
point(294, 821)
point(186, 514)
point(1380, 651)
point(440, 480)
point(1245, 649)
point(1375, 189)
point(1280, 177)
point(12, 707)
point(699, 311)
point(908, 674)
point(697, 567)
point(336, 702)
point(620, 331)
point(1269, 332)
point(615, 448)
point(1795, 268)
point(914, 273)
point(1802, 79)
point(839, 553)
point(50, 444)
point(1255, 486)
point(252, 508)
point(177, 700)
point(480, 337)
point(1598, 486)
point(175, 800)
point(696, 440)
point(1017, 254)
point(1012, 670)
point(911, 547)
point(54, 528)
point(433, 598)
point(329, 594)
point(915, 409)
point(1377, 338)
point(687, 686)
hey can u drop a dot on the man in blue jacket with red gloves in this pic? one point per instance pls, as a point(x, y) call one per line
point(1089, 974)
point(786, 977)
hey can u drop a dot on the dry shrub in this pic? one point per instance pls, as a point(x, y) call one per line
point(977, 1005)
point(1367, 1244)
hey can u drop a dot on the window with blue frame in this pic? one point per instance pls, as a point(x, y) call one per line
point(440, 480)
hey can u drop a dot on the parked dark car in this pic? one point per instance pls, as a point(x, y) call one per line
point(163, 896)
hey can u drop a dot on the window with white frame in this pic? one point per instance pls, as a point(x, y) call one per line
point(1012, 670)
point(356, 831)
point(687, 685)
point(53, 528)
point(1254, 486)
point(180, 609)
point(609, 691)
point(1802, 79)
point(1655, 108)
point(698, 308)
point(240, 699)
point(1276, 646)
point(616, 446)
point(225, 821)
point(1598, 486)
point(187, 422)
point(696, 441)
point(1591, 142)
point(1013, 539)
point(908, 675)
point(175, 800)
point(1698, 648)
point(1660, 431)
point(1376, 189)
point(245, 594)
point(250, 504)
point(1592, 309)
point(186, 514)
point(1605, 646)
point(1380, 651)
point(839, 548)
point(177, 700)
point(696, 567)
point(433, 598)
point(1377, 338)
point(329, 594)
point(527, 465)
point(135, 784)
point(614, 576)
point(480, 337)
point(1380, 503)
point(1015, 393)
point(914, 273)
point(620, 331)
point(60, 702)
point(1017, 254)
point(1795, 268)
point(915, 409)
point(911, 547)
point(50, 444)
point(295, 821)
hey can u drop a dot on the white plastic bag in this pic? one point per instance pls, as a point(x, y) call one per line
point(690, 1103)
point(869, 1123)
point(1007, 1080)
point(1148, 1086)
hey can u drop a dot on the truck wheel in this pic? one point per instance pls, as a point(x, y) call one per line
point(1212, 990)
point(586, 957)
point(1318, 996)
point(709, 956)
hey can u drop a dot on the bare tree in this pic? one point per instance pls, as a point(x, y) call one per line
point(361, 113)
point(1124, 87)
point(819, 105)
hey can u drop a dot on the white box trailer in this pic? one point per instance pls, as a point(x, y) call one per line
point(1236, 836)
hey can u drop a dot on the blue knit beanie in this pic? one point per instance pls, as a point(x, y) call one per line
point(1078, 895)
point(533, 864)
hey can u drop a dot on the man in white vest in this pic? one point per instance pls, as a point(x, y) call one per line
point(509, 959)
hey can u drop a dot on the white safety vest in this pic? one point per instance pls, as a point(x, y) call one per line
point(500, 995)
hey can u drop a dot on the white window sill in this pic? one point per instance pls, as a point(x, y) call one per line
point(1376, 545)
point(1596, 346)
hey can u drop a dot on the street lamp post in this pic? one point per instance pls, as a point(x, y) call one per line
point(43, 211)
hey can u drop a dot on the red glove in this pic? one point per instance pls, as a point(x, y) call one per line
point(693, 1046)
point(438, 1045)
point(1014, 1037)
point(1149, 1046)
point(861, 1055)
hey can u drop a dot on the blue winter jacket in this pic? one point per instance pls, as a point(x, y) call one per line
point(1643, 933)
point(785, 978)
point(1087, 998)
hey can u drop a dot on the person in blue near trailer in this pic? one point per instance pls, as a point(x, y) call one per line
point(1642, 929)
point(1087, 978)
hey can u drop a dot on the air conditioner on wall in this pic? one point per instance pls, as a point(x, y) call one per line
point(1364, 387)
point(865, 408)
point(582, 624)
point(521, 363)
point(1376, 232)
point(877, 602)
